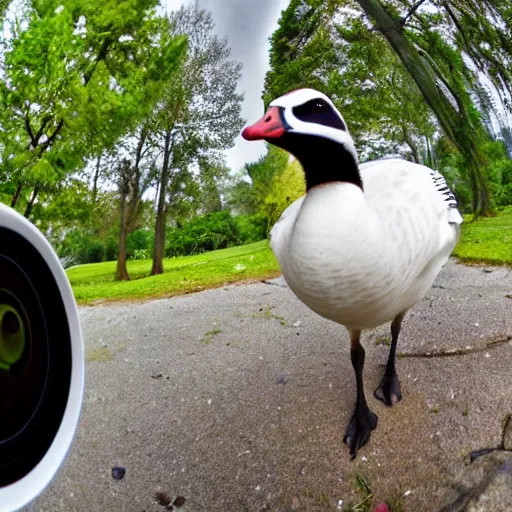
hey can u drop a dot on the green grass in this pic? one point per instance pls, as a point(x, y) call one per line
point(187, 274)
point(487, 240)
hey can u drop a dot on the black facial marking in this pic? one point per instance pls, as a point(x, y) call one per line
point(323, 160)
point(318, 111)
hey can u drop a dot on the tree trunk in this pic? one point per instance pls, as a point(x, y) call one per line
point(16, 195)
point(30, 204)
point(412, 146)
point(95, 181)
point(456, 125)
point(429, 162)
point(122, 271)
point(158, 253)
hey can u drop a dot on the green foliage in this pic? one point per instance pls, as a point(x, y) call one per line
point(78, 75)
point(139, 244)
point(214, 231)
point(250, 228)
point(499, 172)
point(79, 248)
point(205, 233)
point(277, 181)
point(285, 187)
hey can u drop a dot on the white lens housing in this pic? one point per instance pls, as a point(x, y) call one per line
point(23, 246)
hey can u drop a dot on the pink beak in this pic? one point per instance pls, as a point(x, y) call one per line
point(269, 126)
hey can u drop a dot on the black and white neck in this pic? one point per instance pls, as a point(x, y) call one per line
point(323, 160)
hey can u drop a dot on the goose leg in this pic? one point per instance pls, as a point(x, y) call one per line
point(363, 420)
point(389, 387)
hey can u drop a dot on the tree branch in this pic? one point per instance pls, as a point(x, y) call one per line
point(47, 144)
point(44, 122)
point(102, 55)
point(412, 10)
point(33, 141)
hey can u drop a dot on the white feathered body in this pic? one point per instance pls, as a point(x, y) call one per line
point(360, 258)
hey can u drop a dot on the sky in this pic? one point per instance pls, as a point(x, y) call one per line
point(247, 24)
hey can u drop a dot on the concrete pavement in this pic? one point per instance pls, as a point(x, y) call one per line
point(236, 399)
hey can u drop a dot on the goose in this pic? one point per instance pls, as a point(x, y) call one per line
point(365, 243)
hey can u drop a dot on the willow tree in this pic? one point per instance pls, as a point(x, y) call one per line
point(444, 47)
point(360, 73)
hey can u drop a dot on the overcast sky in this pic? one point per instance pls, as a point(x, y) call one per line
point(248, 24)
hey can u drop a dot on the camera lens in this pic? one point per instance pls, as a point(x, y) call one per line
point(35, 357)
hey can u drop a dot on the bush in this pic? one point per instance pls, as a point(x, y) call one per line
point(78, 248)
point(138, 241)
point(95, 252)
point(141, 254)
point(206, 233)
point(251, 228)
point(111, 249)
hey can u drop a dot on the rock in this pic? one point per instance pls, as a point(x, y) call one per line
point(507, 433)
point(483, 486)
point(497, 496)
point(179, 502)
point(118, 473)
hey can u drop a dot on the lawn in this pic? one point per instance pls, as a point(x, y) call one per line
point(95, 281)
point(487, 240)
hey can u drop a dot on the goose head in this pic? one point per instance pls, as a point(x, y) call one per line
point(306, 123)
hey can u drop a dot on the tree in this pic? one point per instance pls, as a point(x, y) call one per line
point(440, 48)
point(358, 71)
point(276, 180)
point(285, 187)
point(133, 179)
point(199, 114)
point(78, 75)
point(456, 117)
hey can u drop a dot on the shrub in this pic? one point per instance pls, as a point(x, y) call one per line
point(95, 252)
point(205, 233)
point(111, 249)
point(79, 247)
point(140, 240)
point(141, 254)
point(251, 228)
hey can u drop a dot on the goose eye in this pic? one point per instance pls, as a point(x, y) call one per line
point(318, 111)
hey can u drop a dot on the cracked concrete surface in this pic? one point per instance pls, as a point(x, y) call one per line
point(253, 420)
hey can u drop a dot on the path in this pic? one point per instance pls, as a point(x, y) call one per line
point(237, 399)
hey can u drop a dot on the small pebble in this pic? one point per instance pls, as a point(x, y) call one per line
point(118, 473)
point(179, 502)
point(163, 499)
